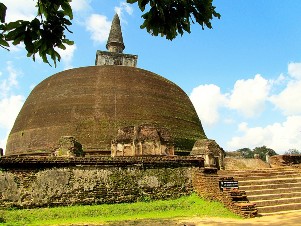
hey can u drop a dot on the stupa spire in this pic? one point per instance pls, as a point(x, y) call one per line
point(115, 47)
point(115, 41)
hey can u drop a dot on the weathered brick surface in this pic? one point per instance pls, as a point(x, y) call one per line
point(92, 103)
point(122, 180)
point(206, 184)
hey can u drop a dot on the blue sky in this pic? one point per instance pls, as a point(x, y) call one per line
point(243, 76)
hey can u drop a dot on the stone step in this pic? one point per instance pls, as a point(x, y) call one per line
point(252, 187)
point(298, 211)
point(266, 170)
point(261, 174)
point(262, 210)
point(280, 201)
point(273, 190)
point(270, 181)
point(266, 175)
point(279, 195)
point(263, 177)
point(276, 190)
point(254, 177)
point(257, 171)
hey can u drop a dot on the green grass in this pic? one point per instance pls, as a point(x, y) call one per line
point(190, 206)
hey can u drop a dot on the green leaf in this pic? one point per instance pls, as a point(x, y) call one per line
point(142, 4)
point(3, 42)
point(35, 24)
point(14, 25)
point(67, 9)
point(3, 9)
point(14, 34)
point(67, 41)
point(29, 54)
point(131, 1)
point(44, 47)
point(172, 17)
point(29, 46)
point(18, 40)
point(44, 58)
point(61, 46)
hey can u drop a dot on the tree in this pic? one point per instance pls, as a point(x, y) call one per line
point(246, 153)
point(262, 151)
point(172, 17)
point(46, 31)
point(292, 152)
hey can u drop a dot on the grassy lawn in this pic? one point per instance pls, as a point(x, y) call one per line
point(191, 206)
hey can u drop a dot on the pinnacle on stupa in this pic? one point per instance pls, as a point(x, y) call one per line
point(115, 40)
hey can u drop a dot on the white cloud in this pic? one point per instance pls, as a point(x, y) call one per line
point(288, 100)
point(99, 26)
point(67, 55)
point(294, 70)
point(6, 84)
point(80, 5)
point(26, 10)
point(10, 107)
point(207, 99)
point(3, 141)
point(278, 81)
point(249, 96)
point(278, 136)
point(32, 86)
point(16, 48)
point(13, 74)
point(20, 10)
point(10, 104)
point(123, 7)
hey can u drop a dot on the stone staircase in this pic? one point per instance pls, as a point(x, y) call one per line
point(274, 190)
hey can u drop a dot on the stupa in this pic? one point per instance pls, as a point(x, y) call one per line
point(96, 104)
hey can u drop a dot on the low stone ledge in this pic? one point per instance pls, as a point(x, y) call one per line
point(145, 161)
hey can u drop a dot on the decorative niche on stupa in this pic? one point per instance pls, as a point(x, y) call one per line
point(143, 140)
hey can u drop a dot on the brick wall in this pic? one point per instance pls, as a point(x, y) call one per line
point(206, 184)
point(94, 184)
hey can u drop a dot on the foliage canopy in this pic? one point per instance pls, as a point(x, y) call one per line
point(262, 151)
point(293, 152)
point(47, 31)
point(44, 34)
point(248, 153)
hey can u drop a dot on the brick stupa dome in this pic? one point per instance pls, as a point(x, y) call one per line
point(92, 103)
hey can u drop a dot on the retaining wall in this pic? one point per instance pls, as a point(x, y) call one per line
point(37, 182)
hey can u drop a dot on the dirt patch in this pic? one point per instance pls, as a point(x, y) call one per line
point(275, 220)
point(242, 164)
